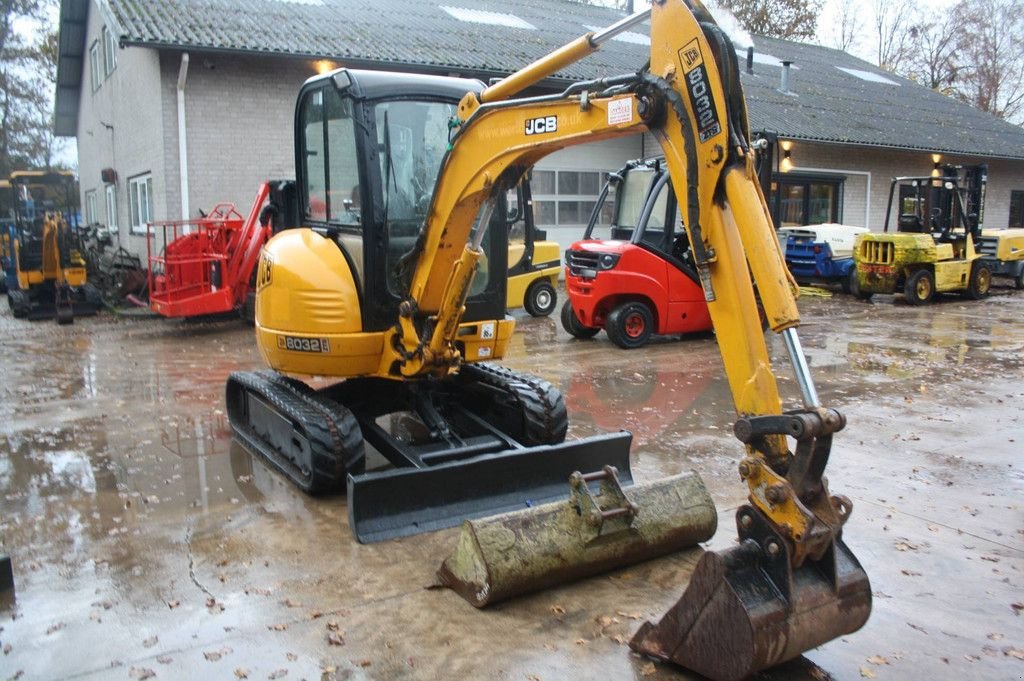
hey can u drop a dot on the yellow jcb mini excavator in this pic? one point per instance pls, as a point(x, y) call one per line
point(395, 294)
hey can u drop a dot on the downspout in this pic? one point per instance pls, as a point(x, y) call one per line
point(182, 141)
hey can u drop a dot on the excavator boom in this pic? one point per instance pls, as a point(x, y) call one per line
point(791, 584)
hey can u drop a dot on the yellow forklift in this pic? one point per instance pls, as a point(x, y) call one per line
point(533, 262)
point(46, 275)
point(934, 249)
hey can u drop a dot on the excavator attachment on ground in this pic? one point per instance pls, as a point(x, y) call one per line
point(390, 287)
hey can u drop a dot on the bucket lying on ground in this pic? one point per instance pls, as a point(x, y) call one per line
point(523, 551)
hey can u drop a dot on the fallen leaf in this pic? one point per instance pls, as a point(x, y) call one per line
point(212, 656)
point(332, 625)
point(290, 603)
point(54, 627)
point(878, 660)
point(363, 663)
point(7, 649)
point(291, 657)
point(315, 614)
point(971, 658)
point(557, 609)
point(280, 626)
point(647, 669)
point(1014, 652)
point(1017, 607)
point(164, 659)
point(150, 642)
point(173, 604)
point(867, 673)
point(241, 673)
point(335, 638)
point(581, 641)
point(995, 637)
point(141, 673)
point(279, 674)
point(629, 615)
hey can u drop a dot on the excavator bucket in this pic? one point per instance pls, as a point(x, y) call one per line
point(406, 501)
point(747, 609)
point(601, 527)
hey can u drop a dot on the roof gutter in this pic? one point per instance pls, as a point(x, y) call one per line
point(182, 139)
point(554, 82)
point(896, 147)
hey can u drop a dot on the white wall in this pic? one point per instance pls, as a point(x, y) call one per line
point(880, 165)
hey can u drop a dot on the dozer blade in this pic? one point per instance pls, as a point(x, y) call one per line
point(407, 501)
point(524, 551)
point(747, 609)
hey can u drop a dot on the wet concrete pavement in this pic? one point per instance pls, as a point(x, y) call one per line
point(146, 543)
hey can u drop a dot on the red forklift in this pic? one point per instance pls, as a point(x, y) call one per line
point(636, 277)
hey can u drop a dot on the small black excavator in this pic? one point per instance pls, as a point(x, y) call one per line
point(390, 288)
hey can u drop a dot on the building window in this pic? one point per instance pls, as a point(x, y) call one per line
point(90, 207)
point(94, 65)
point(798, 201)
point(140, 198)
point(565, 198)
point(109, 52)
point(111, 208)
point(1017, 209)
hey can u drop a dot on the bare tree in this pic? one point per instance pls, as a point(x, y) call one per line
point(790, 19)
point(991, 55)
point(27, 78)
point(932, 58)
point(847, 25)
point(893, 28)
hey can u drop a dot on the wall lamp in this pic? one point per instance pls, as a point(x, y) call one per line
point(936, 161)
point(786, 164)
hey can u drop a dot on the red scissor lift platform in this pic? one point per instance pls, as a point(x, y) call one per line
point(206, 265)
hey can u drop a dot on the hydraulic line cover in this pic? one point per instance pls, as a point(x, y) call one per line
point(523, 551)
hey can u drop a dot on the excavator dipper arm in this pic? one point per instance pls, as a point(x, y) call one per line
point(791, 584)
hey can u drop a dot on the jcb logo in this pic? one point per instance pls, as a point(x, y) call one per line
point(537, 126)
point(265, 271)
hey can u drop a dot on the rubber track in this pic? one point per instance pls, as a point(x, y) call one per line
point(545, 420)
point(335, 439)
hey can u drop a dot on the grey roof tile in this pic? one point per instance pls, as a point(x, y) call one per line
point(829, 105)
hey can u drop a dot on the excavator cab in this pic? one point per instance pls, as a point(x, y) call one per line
point(368, 150)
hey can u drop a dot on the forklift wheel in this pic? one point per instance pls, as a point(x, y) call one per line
point(920, 287)
point(540, 299)
point(630, 325)
point(1019, 281)
point(981, 281)
point(571, 323)
point(65, 316)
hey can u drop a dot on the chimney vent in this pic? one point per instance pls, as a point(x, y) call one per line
point(784, 87)
point(750, 60)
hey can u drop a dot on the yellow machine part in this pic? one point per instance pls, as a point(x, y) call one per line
point(1010, 245)
point(882, 259)
point(543, 251)
point(309, 319)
